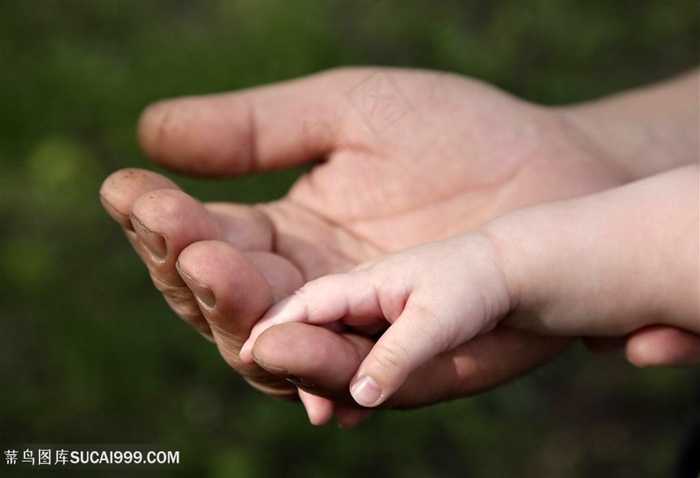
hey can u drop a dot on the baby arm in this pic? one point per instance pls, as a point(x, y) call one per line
point(609, 263)
point(605, 264)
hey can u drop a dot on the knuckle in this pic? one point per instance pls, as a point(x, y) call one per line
point(392, 360)
point(302, 292)
point(305, 294)
point(437, 332)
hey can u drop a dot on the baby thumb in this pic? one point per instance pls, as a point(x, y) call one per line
point(410, 341)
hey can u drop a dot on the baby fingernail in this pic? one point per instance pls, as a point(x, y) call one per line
point(202, 293)
point(366, 392)
point(154, 242)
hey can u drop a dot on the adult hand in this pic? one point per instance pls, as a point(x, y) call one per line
point(656, 346)
point(408, 157)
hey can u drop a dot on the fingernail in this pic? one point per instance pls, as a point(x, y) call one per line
point(123, 219)
point(300, 382)
point(204, 295)
point(155, 243)
point(366, 392)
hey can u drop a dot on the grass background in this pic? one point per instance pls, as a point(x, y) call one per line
point(90, 353)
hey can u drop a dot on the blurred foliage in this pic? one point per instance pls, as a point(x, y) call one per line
point(89, 352)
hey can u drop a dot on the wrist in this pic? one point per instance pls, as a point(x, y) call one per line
point(636, 148)
point(644, 131)
point(605, 264)
point(512, 238)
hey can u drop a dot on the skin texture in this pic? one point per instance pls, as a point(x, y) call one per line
point(459, 154)
point(563, 268)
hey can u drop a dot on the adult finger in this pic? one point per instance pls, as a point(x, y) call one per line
point(319, 409)
point(233, 292)
point(321, 301)
point(165, 222)
point(122, 188)
point(480, 364)
point(244, 226)
point(154, 244)
point(160, 221)
point(349, 417)
point(314, 358)
point(262, 128)
point(663, 346)
point(323, 362)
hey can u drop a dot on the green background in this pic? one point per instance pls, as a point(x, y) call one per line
point(90, 353)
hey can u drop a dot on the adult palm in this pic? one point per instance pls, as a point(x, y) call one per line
point(405, 157)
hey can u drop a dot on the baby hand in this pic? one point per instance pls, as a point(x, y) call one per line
point(432, 298)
